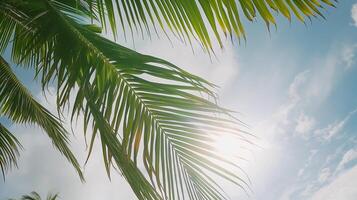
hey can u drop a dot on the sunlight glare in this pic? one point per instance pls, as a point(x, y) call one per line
point(227, 145)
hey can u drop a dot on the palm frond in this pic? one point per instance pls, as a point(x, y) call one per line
point(166, 116)
point(195, 19)
point(112, 146)
point(18, 105)
point(8, 23)
point(9, 150)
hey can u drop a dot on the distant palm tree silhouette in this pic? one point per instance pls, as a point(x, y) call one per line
point(36, 196)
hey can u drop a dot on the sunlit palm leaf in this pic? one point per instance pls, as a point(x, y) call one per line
point(189, 19)
point(18, 105)
point(161, 110)
point(111, 145)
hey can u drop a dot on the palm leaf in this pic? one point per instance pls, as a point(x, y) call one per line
point(111, 145)
point(189, 19)
point(18, 105)
point(9, 150)
point(160, 109)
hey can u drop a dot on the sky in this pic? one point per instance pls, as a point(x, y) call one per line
point(296, 88)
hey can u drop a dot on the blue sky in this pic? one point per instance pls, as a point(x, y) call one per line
point(295, 86)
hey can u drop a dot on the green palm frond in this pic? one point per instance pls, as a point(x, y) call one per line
point(9, 150)
point(112, 146)
point(189, 19)
point(18, 105)
point(163, 113)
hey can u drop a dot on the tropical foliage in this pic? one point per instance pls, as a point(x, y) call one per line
point(144, 110)
point(18, 105)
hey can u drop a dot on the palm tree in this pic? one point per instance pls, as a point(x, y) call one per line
point(139, 106)
point(36, 196)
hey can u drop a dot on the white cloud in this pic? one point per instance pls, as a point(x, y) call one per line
point(354, 14)
point(326, 176)
point(308, 88)
point(294, 96)
point(311, 87)
point(307, 163)
point(349, 156)
point(281, 117)
point(325, 173)
point(335, 128)
point(348, 55)
point(326, 71)
point(323, 78)
point(342, 187)
point(297, 85)
point(308, 190)
point(304, 125)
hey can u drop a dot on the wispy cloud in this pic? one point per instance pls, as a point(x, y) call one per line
point(311, 87)
point(348, 55)
point(354, 14)
point(349, 156)
point(296, 87)
point(335, 128)
point(304, 125)
point(282, 115)
point(307, 163)
point(342, 187)
point(325, 173)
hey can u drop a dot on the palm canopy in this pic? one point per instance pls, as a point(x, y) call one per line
point(139, 106)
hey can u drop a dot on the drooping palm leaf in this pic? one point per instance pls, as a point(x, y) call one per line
point(159, 109)
point(111, 145)
point(197, 18)
point(9, 150)
point(18, 105)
